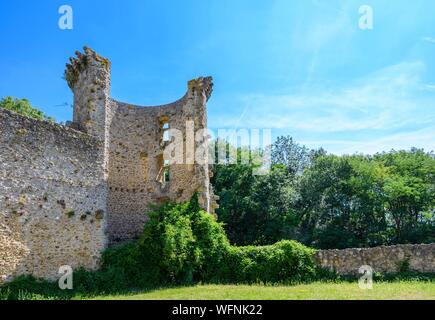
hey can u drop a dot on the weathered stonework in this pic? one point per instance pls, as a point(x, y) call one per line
point(67, 192)
point(136, 162)
point(51, 191)
point(134, 145)
point(421, 258)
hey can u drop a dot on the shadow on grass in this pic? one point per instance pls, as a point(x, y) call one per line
point(29, 288)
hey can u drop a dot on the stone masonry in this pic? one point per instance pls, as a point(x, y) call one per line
point(68, 192)
point(419, 257)
point(137, 171)
point(53, 198)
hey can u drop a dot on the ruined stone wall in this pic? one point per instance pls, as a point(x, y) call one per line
point(88, 76)
point(421, 258)
point(52, 198)
point(134, 148)
point(137, 155)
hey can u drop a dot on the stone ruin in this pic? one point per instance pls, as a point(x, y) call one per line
point(67, 192)
point(135, 138)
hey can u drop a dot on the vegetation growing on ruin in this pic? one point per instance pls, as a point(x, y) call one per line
point(23, 107)
point(182, 244)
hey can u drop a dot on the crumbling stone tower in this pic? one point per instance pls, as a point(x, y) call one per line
point(136, 140)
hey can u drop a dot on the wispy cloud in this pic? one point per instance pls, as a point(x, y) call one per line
point(428, 39)
point(430, 87)
point(423, 138)
point(387, 99)
point(390, 108)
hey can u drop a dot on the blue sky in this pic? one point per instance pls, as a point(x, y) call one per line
point(302, 68)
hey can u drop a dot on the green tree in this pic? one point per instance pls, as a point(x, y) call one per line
point(329, 201)
point(23, 107)
point(235, 186)
point(274, 200)
point(368, 201)
point(294, 157)
point(255, 209)
point(410, 194)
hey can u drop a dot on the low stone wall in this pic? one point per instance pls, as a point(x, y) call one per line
point(52, 198)
point(421, 258)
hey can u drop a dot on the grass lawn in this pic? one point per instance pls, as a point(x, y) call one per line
point(317, 291)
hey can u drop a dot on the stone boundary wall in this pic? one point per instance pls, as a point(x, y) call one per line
point(52, 198)
point(421, 258)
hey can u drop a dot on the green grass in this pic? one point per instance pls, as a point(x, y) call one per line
point(404, 290)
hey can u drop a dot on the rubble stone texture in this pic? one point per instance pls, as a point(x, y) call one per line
point(53, 198)
point(134, 145)
point(419, 258)
point(68, 192)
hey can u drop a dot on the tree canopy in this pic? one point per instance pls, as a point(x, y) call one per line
point(23, 107)
point(330, 201)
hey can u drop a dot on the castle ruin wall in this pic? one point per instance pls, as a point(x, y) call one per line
point(52, 198)
point(135, 149)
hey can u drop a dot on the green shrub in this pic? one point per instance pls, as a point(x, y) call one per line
point(167, 244)
point(180, 244)
point(404, 266)
point(127, 265)
point(184, 243)
point(285, 261)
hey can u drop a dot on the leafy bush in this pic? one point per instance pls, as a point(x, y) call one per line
point(29, 288)
point(404, 265)
point(123, 268)
point(180, 244)
point(285, 261)
point(183, 244)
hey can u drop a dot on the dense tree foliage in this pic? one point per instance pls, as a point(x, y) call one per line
point(23, 107)
point(329, 201)
point(255, 209)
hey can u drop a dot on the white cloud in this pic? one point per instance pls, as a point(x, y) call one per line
point(428, 39)
point(388, 99)
point(390, 108)
point(423, 138)
point(429, 87)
